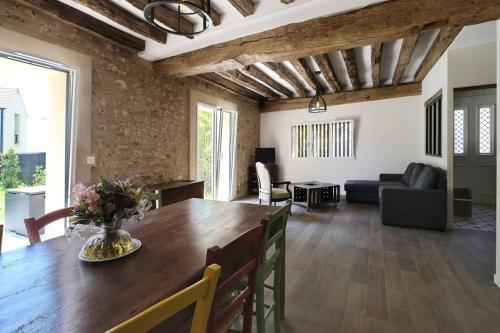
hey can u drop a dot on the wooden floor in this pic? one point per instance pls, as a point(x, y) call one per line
point(346, 272)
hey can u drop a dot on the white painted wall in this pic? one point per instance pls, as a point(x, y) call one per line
point(16, 107)
point(387, 138)
point(497, 275)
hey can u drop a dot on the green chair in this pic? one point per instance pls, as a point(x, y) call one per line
point(155, 198)
point(274, 238)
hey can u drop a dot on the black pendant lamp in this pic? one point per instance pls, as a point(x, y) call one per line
point(317, 103)
point(182, 9)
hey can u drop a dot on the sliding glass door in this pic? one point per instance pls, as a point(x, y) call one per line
point(216, 142)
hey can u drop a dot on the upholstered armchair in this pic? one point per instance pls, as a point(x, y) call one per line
point(267, 190)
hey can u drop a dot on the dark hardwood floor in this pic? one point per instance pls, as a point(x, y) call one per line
point(346, 272)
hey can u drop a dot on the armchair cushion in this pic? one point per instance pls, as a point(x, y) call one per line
point(279, 193)
point(426, 179)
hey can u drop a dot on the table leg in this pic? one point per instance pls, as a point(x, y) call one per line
point(308, 197)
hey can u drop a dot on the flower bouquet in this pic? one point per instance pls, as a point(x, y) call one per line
point(105, 207)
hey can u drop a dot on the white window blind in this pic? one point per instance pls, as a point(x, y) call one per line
point(300, 141)
point(343, 138)
point(320, 140)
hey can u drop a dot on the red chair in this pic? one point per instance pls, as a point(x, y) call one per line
point(33, 225)
point(234, 294)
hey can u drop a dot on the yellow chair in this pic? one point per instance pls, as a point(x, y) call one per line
point(201, 293)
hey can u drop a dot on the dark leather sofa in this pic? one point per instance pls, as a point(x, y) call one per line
point(416, 198)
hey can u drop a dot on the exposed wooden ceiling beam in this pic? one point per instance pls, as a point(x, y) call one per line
point(352, 69)
point(328, 71)
point(231, 86)
point(124, 18)
point(249, 83)
point(388, 20)
point(253, 71)
point(287, 1)
point(376, 58)
point(285, 74)
point(164, 16)
point(305, 72)
point(216, 16)
point(78, 18)
point(245, 7)
point(443, 40)
point(404, 57)
point(346, 97)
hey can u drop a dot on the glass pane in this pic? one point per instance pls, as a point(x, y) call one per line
point(205, 150)
point(485, 130)
point(225, 160)
point(459, 132)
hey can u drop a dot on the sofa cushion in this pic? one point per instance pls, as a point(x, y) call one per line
point(415, 172)
point(441, 180)
point(407, 174)
point(427, 178)
point(370, 186)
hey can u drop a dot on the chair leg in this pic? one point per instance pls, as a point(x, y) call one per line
point(260, 201)
point(277, 296)
point(259, 305)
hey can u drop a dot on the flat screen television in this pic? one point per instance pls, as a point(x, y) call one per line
point(265, 155)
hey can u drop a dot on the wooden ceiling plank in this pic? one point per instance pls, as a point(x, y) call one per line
point(352, 69)
point(376, 59)
point(388, 20)
point(346, 97)
point(231, 86)
point(285, 74)
point(287, 2)
point(328, 71)
point(124, 18)
point(443, 40)
point(305, 72)
point(248, 83)
point(164, 16)
point(216, 16)
point(78, 18)
point(255, 72)
point(245, 7)
point(407, 48)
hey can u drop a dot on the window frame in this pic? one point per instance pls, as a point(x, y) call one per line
point(466, 131)
point(352, 123)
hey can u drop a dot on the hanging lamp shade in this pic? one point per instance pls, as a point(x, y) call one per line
point(317, 103)
point(182, 9)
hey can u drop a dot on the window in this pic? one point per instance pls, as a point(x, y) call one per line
point(320, 140)
point(433, 126)
point(459, 132)
point(343, 138)
point(323, 140)
point(300, 141)
point(17, 128)
point(485, 130)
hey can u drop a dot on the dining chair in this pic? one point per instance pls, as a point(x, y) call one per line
point(155, 198)
point(234, 294)
point(267, 190)
point(201, 293)
point(272, 259)
point(33, 225)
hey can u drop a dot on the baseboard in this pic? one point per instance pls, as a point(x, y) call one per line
point(496, 279)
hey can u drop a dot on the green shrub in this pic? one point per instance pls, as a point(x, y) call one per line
point(10, 169)
point(39, 176)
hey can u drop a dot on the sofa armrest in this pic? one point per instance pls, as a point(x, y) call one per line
point(391, 177)
point(413, 207)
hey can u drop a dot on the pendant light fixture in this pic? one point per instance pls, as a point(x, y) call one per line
point(182, 9)
point(317, 103)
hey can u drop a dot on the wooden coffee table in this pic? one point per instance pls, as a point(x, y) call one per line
point(314, 194)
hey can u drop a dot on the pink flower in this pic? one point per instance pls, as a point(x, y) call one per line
point(78, 189)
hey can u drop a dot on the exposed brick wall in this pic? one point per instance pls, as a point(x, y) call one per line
point(140, 120)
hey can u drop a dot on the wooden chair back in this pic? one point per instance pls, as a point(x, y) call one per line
point(274, 236)
point(201, 293)
point(239, 260)
point(33, 225)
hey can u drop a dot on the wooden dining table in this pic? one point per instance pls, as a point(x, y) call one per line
point(46, 288)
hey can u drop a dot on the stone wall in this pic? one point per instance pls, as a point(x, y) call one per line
point(140, 120)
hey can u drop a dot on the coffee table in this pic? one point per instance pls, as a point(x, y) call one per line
point(314, 194)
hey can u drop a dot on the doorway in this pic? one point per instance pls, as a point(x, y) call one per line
point(215, 150)
point(474, 161)
point(35, 121)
